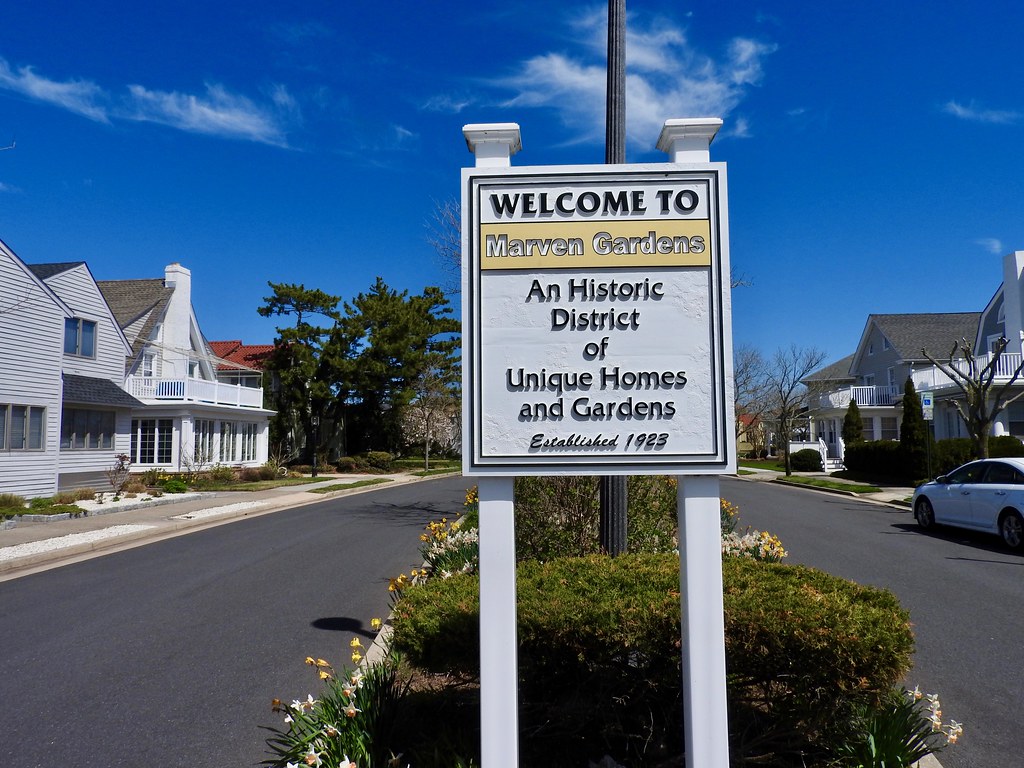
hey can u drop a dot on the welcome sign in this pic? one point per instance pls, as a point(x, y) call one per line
point(596, 320)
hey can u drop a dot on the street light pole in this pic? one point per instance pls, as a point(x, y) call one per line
point(315, 422)
point(614, 497)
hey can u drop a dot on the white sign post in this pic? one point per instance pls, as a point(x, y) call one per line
point(597, 341)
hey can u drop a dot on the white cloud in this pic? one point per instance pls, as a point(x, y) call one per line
point(79, 96)
point(446, 103)
point(8, 188)
point(991, 244)
point(666, 77)
point(218, 113)
point(215, 113)
point(973, 113)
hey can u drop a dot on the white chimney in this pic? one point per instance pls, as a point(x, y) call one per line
point(177, 321)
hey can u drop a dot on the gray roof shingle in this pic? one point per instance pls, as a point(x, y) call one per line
point(936, 333)
point(131, 300)
point(86, 390)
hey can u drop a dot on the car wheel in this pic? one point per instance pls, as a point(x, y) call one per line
point(1011, 528)
point(924, 513)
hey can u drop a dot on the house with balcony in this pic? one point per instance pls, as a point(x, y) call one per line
point(891, 351)
point(92, 369)
point(196, 410)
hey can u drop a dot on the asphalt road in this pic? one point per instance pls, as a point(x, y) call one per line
point(169, 654)
point(963, 592)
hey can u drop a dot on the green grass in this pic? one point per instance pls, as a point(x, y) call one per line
point(439, 471)
point(818, 482)
point(416, 462)
point(347, 486)
point(762, 464)
point(261, 485)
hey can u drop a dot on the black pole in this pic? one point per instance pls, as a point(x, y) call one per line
point(614, 497)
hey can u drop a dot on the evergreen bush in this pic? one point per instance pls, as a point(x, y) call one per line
point(951, 453)
point(599, 656)
point(915, 436)
point(806, 460)
point(879, 458)
point(853, 424)
point(1005, 446)
point(381, 460)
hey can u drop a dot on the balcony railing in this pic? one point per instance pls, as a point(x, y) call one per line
point(865, 396)
point(934, 378)
point(191, 390)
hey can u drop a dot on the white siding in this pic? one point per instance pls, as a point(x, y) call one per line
point(78, 290)
point(31, 346)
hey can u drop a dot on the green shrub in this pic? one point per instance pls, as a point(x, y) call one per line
point(560, 516)
point(1004, 446)
point(174, 485)
point(951, 453)
point(806, 460)
point(878, 458)
point(381, 460)
point(41, 502)
point(599, 657)
point(346, 464)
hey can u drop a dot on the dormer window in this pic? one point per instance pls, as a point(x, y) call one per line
point(79, 337)
point(871, 348)
point(885, 343)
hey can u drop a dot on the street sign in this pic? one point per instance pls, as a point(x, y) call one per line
point(597, 332)
point(926, 406)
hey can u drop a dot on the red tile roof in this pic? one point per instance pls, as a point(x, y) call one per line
point(235, 354)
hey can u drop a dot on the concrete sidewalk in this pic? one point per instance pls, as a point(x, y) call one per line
point(32, 546)
point(894, 494)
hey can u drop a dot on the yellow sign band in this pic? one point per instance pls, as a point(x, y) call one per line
point(559, 245)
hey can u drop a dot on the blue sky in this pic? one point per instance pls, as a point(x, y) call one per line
point(874, 149)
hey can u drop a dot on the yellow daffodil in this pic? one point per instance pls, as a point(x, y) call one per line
point(354, 643)
point(374, 623)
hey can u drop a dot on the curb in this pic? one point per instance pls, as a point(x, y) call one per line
point(171, 528)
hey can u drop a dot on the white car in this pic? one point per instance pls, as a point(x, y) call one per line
point(985, 495)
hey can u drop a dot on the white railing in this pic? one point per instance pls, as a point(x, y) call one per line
point(193, 391)
point(934, 378)
point(865, 396)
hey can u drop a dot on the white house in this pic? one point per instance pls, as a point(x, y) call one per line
point(890, 351)
point(193, 415)
point(31, 349)
point(90, 370)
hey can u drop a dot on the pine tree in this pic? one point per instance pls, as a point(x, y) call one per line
point(853, 425)
point(914, 435)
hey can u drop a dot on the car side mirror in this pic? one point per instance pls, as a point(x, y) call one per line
point(942, 480)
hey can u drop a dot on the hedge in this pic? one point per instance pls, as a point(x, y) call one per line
point(599, 654)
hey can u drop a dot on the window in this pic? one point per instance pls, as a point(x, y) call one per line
point(146, 368)
point(22, 427)
point(227, 441)
point(890, 428)
point(869, 428)
point(891, 376)
point(885, 343)
point(152, 440)
point(79, 337)
point(83, 429)
point(249, 432)
point(1003, 474)
point(871, 349)
point(203, 452)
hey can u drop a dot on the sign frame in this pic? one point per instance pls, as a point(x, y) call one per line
point(480, 457)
